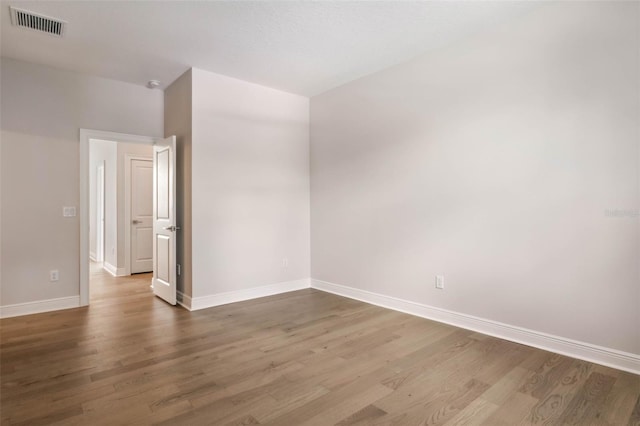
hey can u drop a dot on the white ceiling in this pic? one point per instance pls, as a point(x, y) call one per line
point(299, 47)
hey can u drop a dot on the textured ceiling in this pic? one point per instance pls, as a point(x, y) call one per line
point(299, 47)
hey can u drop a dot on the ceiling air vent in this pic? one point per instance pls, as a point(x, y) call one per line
point(35, 21)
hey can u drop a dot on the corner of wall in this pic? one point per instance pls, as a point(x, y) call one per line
point(178, 122)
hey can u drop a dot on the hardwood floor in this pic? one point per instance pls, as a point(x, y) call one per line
point(301, 358)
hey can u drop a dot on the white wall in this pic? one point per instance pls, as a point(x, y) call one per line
point(104, 152)
point(493, 162)
point(177, 121)
point(250, 185)
point(42, 112)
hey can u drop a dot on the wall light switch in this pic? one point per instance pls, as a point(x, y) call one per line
point(69, 211)
point(440, 282)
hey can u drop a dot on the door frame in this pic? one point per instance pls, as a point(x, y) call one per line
point(127, 207)
point(85, 136)
point(100, 212)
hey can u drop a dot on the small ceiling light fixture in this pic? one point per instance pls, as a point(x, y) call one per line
point(152, 84)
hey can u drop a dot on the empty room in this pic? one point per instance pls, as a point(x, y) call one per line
point(320, 213)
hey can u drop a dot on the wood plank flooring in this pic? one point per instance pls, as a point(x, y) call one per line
point(301, 358)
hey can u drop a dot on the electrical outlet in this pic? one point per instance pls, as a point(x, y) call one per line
point(285, 262)
point(54, 275)
point(440, 282)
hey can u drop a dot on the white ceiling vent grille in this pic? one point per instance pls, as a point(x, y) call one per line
point(35, 21)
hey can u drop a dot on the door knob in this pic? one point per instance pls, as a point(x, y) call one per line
point(172, 228)
point(135, 222)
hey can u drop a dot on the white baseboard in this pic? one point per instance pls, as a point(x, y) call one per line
point(116, 272)
point(202, 302)
point(586, 351)
point(39, 306)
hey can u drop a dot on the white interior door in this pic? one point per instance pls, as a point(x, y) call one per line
point(100, 213)
point(141, 216)
point(164, 219)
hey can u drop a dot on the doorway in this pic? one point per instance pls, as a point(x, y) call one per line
point(121, 207)
point(137, 177)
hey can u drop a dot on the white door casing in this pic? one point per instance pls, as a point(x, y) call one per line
point(164, 219)
point(141, 203)
point(100, 199)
